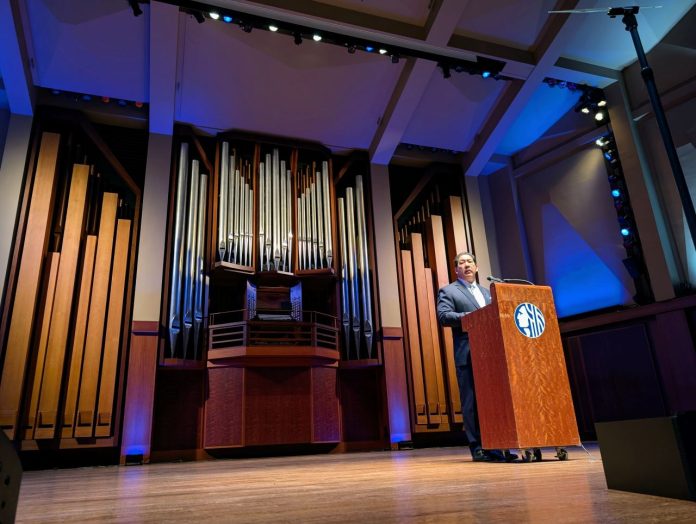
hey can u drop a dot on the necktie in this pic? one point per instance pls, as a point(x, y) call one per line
point(477, 295)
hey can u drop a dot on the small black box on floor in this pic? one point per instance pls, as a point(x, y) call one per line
point(656, 456)
point(10, 479)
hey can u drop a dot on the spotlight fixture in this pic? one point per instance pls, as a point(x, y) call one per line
point(585, 110)
point(247, 27)
point(316, 37)
point(227, 19)
point(615, 193)
point(601, 141)
point(369, 48)
point(352, 48)
point(135, 7)
point(382, 51)
point(446, 73)
point(214, 15)
point(486, 74)
point(197, 15)
point(625, 231)
point(599, 116)
point(298, 38)
point(602, 103)
point(394, 58)
point(273, 28)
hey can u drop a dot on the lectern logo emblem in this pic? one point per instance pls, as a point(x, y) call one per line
point(529, 320)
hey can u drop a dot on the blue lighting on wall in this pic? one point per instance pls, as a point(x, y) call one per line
point(543, 110)
point(580, 279)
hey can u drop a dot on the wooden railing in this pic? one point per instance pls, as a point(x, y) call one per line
point(228, 329)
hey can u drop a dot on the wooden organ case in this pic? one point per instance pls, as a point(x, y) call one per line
point(430, 228)
point(69, 292)
point(277, 270)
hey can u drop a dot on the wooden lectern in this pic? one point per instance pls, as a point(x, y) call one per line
point(522, 388)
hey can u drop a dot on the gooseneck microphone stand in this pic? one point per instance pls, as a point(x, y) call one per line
point(629, 20)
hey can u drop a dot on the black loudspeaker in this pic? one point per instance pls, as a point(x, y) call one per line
point(656, 456)
point(10, 478)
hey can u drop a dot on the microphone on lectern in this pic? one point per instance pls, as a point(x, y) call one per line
point(491, 278)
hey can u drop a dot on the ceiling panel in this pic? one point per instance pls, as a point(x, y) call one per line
point(409, 11)
point(263, 82)
point(452, 110)
point(98, 48)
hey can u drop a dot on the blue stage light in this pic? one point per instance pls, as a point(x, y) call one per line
point(486, 74)
point(227, 19)
point(615, 193)
point(625, 231)
point(369, 48)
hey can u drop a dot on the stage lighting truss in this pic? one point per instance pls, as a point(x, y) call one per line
point(593, 102)
point(482, 66)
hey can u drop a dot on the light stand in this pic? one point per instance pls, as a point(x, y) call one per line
point(629, 20)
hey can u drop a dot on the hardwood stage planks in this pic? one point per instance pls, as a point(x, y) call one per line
point(425, 485)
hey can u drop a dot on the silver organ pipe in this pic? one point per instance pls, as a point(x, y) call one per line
point(345, 300)
point(190, 255)
point(174, 317)
point(199, 294)
point(363, 265)
point(224, 197)
point(352, 269)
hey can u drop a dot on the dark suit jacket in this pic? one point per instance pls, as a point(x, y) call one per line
point(453, 302)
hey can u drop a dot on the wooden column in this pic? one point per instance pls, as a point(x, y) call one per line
point(28, 281)
point(62, 307)
point(437, 256)
point(97, 315)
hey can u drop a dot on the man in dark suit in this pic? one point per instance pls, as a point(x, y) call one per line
point(453, 302)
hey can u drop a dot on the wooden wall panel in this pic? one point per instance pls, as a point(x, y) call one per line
point(435, 402)
point(224, 408)
point(79, 334)
point(413, 339)
point(326, 421)
point(28, 281)
point(112, 339)
point(455, 230)
point(87, 400)
point(140, 392)
point(395, 380)
point(277, 406)
point(45, 309)
point(439, 264)
point(361, 417)
point(62, 308)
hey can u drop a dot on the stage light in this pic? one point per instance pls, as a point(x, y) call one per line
point(135, 7)
point(86, 98)
point(609, 155)
point(486, 74)
point(214, 15)
point(227, 19)
point(316, 37)
point(625, 231)
point(369, 48)
point(352, 48)
point(273, 28)
point(123, 103)
point(615, 193)
point(198, 16)
point(585, 110)
point(382, 51)
point(55, 91)
point(602, 103)
point(601, 141)
point(247, 28)
point(394, 58)
point(106, 99)
point(298, 38)
point(599, 116)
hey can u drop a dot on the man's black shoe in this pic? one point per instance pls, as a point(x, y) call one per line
point(495, 455)
point(478, 455)
point(510, 457)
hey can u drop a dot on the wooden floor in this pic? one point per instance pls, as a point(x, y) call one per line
point(426, 485)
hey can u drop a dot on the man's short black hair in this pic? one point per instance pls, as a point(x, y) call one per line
point(460, 255)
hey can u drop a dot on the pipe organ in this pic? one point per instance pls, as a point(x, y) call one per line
point(187, 308)
point(430, 229)
point(67, 299)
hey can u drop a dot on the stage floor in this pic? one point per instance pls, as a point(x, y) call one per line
point(423, 485)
